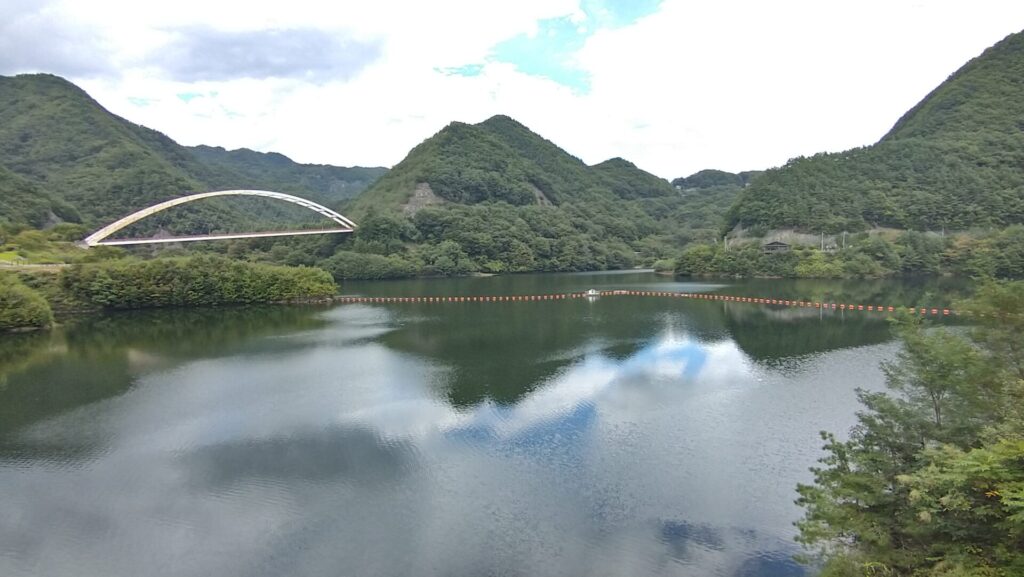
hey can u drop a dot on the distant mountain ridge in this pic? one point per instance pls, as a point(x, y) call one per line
point(501, 160)
point(710, 178)
point(65, 157)
point(324, 183)
point(954, 161)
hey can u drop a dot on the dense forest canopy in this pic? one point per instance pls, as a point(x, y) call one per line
point(952, 162)
point(63, 157)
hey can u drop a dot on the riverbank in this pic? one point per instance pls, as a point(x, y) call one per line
point(29, 300)
point(998, 254)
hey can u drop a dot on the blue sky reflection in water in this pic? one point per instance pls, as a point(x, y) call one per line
point(641, 437)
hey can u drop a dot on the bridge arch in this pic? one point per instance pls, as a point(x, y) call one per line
point(97, 238)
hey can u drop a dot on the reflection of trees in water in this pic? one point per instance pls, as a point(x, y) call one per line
point(354, 454)
point(906, 291)
point(190, 333)
point(95, 358)
point(772, 333)
point(503, 351)
point(18, 351)
point(689, 543)
point(768, 334)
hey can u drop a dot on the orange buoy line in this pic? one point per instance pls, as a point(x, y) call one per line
point(698, 296)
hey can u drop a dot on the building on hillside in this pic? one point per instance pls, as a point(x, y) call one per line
point(775, 247)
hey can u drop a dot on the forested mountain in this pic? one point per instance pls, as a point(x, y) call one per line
point(497, 197)
point(25, 202)
point(711, 178)
point(323, 183)
point(500, 160)
point(954, 161)
point(491, 197)
point(64, 157)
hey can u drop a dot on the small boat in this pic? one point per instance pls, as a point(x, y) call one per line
point(592, 294)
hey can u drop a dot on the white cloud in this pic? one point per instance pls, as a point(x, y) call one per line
point(733, 85)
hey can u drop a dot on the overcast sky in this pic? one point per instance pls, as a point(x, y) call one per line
point(672, 85)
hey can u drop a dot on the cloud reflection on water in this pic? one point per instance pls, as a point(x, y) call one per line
point(337, 452)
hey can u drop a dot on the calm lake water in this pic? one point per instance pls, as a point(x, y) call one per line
point(625, 436)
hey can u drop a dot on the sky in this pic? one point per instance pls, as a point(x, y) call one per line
point(674, 86)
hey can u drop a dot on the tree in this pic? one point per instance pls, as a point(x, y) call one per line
point(21, 307)
point(931, 480)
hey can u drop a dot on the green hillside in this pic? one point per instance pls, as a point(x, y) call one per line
point(952, 162)
point(497, 197)
point(25, 203)
point(711, 178)
point(627, 181)
point(323, 183)
point(64, 157)
point(53, 134)
point(489, 197)
point(500, 160)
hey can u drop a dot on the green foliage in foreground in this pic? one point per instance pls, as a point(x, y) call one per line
point(997, 254)
point(931, 480)
point(20, 306)
point(194, 281)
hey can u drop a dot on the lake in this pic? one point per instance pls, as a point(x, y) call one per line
point(617, 436)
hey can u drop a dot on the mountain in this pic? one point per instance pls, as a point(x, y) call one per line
point(65, 157)
point(954, 161)
point(491, 197)
point(710, 178)
point(500, 160)
point(24, 202)
point(55, 136)
point(323, 183)
point(498, 197)
point(627, 181)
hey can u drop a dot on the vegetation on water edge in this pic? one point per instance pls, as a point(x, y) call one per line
point(205, 280)
point(28, 297)
point(931, 480)
point(21, 307)
point(997, 254)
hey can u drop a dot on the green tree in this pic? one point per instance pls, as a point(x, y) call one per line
point(21, 307)
point(931, 480)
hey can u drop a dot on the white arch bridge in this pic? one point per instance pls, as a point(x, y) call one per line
point(99, 237)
